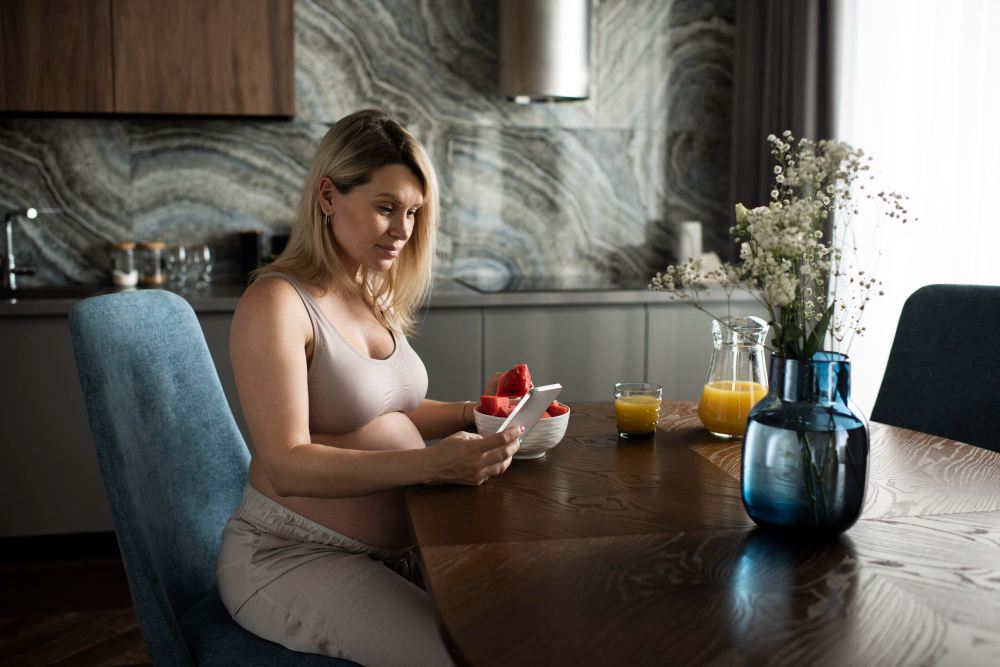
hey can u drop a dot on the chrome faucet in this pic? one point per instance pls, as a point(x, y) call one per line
point(13, 270)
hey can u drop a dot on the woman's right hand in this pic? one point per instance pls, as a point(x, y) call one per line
point(469, 458)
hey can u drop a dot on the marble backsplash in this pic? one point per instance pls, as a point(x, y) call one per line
point(591, 187)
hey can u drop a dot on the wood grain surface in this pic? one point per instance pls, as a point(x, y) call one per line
point(55, 55)
point(68, 612)
point(197, 57)
point(613, 552)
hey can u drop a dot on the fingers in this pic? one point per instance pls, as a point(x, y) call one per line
point(503, 438)
point(500, 454)
point(499, 467)
point(508, 443)
point(483, 457)
point(491, 388)
point(496, 468)
point(496, 452)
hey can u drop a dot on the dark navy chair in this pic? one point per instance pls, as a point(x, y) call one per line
point(174, 465)
point(941, 377)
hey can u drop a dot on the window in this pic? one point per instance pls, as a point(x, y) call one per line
point(919, 91)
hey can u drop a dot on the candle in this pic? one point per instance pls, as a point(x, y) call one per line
point(690, 241)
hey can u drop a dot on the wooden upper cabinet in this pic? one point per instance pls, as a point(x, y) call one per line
point(55, 55)
point(204, 57)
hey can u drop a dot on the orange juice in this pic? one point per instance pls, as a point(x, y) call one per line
point(637, 415)
point(725, 404)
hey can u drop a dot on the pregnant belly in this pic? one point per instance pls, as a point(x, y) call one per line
point(378, 519)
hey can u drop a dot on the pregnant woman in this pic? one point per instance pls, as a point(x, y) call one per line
point(318, 555)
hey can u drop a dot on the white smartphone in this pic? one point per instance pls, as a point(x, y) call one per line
point(530, 408)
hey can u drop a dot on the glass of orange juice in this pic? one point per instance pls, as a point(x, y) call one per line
point(637, 407)
point(737, 378)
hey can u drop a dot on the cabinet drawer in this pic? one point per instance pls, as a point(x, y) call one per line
point(585, 349)
point(450, 343)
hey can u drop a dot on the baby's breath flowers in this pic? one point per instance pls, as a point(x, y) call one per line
point(799, 253)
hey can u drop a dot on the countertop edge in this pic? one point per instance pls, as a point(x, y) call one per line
point(447, 296)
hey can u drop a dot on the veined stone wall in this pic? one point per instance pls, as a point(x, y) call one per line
point(594, 187)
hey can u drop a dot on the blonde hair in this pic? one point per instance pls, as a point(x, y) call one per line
point(350, 153)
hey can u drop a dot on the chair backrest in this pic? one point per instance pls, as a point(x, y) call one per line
point(172, 458)
point(941, 376)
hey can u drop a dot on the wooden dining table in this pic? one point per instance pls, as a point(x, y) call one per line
point(639, 552)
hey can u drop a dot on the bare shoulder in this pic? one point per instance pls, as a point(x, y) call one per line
point(271, 306)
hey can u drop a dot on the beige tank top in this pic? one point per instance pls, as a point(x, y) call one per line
point(347, 389)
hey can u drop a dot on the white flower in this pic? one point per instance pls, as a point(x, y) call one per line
point(780, 290)
point(784, 260)
point(741, 215)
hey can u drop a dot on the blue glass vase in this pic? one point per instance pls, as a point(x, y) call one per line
point(805, 452)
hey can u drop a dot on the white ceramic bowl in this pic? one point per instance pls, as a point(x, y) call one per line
point(543, 436)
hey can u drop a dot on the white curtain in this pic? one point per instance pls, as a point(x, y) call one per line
point(919, 91)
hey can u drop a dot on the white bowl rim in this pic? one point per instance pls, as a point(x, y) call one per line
point(476, 411)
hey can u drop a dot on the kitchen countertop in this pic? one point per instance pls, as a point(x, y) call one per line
point(447, 293)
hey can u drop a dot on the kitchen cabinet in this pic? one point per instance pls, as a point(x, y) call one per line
point(197, 57)
point(49, 478)
point(50, 482)
point(680, 346)
point(586, 349)
point(55, 55)
point(218, 57)
point(216, 328)
point(450, 343)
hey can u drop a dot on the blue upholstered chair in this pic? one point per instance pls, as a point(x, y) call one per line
point(941, 376)
point(174, 464)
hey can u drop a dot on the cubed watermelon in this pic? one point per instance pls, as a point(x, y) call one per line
point(515, 382)
point(545, 414)
point(490, 404)
point(557, 409)
point(504, 411)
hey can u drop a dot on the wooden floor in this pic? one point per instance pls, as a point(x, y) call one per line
point(74, 610)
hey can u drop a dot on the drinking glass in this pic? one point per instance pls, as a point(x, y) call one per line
point(175, 259)
point(637, 408)
point(200, 262)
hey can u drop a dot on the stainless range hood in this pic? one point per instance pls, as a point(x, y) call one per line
point(545, 50)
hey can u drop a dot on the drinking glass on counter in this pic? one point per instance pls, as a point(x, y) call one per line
point(737, 377)
point(200, 263)
point(175, 261)
point(637, 408)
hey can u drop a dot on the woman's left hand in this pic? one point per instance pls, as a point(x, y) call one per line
point(491, 388)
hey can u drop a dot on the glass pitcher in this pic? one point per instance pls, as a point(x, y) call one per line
point(737, 376)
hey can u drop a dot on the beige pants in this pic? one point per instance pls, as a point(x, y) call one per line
point(292, 581)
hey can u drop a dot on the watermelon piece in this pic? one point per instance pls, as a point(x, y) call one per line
point(545, 414)
point(490, 404)
point(557, 409)
point(515, 382)
point(504, 411)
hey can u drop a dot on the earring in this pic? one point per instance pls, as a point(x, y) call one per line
point(327, 221)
